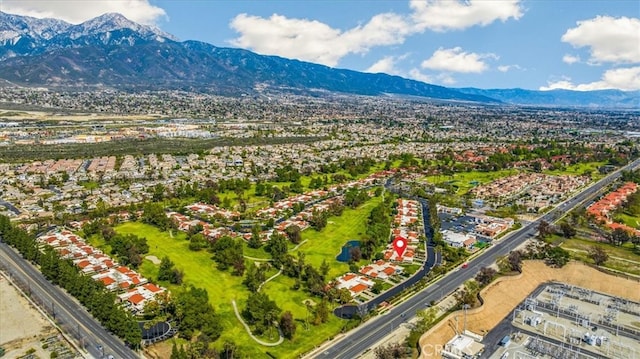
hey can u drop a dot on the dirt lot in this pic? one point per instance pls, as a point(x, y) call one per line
point(20, 115)
point(22, 325)
point(503, 295)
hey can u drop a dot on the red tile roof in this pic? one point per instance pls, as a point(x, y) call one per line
point(348, 277)
point(136, 298)
point(107, 281)
point(358, 288)
point(152, 287)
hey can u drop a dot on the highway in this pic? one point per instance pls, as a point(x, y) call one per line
point(78, 322)
point(368, 334)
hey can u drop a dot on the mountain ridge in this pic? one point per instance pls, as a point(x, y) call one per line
point(114, 52)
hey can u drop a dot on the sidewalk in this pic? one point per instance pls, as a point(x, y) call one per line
point(400, 334)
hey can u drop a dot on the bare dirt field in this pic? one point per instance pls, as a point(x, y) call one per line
point(20, 115)
point(22, 325)
point(503, 295)
point(159, 350)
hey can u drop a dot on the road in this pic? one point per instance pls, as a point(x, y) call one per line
point(10, 207)
point(79, 323)
point(367, 335)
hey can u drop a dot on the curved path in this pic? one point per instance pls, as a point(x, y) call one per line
point(270, 278)
point(258, 259)
point(246, 327)
point(298, 245)
point(271, 260)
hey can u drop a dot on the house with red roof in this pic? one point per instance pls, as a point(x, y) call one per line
point(381, 269)
point(354, 283)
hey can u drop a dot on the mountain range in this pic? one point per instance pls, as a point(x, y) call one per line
point(113, 52)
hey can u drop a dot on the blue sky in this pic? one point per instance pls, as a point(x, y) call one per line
point(534, 44)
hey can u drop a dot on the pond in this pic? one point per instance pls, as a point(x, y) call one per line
point(345, 255)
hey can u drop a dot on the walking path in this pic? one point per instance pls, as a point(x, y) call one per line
point(246, 327)
point(258, 259)
point(298, 246)
point(269, 259)
point(270, 278)
point(610, 256)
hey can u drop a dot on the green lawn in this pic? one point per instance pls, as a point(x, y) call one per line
point(200, 271)
point(631, 221)
point(625, 259)
point(465, 181)
point(254, 202)
point(255, 252)
point(280, 290)
point(98, 242)
point(579, 169)
point(625, 251)
point(90, 185)
point(222, 287)
point(327, 243)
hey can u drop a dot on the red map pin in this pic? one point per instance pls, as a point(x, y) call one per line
point(399, 244)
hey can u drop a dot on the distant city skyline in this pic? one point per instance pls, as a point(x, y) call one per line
point(579, 45)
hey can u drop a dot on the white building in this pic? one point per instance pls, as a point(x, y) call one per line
point(458, 240)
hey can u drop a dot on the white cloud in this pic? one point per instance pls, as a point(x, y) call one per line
point(314, 41)
point(570, 59)
point(443, 15)
point(457, 60)
point(446, 79)
point(621, 78)
point(609, 39)
point(417, 75)
point(443, 78)
point(387, 65)
point(506, 68)
point(76, 12)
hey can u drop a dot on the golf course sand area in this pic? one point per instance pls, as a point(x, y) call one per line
point(22, 325)
point(504, 294)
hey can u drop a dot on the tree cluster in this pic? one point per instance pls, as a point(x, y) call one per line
point(261, 312)
point(313, 279)
point(195, 314)
point(98, 301)
point(254, 276)
point(278, 248)
point(354, 197)
point(391, 351)
point(228, 252)
point(468, 295)
point(197, 242)
point(129, 248)
point(553, 255)
point(485, 276)
point(154, 214)
point(168, 272)
point(378, 228)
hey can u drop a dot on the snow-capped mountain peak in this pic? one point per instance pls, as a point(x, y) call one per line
point(115, 21)
point(13, 26)
point(25, 35)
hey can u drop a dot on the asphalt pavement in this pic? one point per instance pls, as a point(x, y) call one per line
point(78, 322)
point(368, 334)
